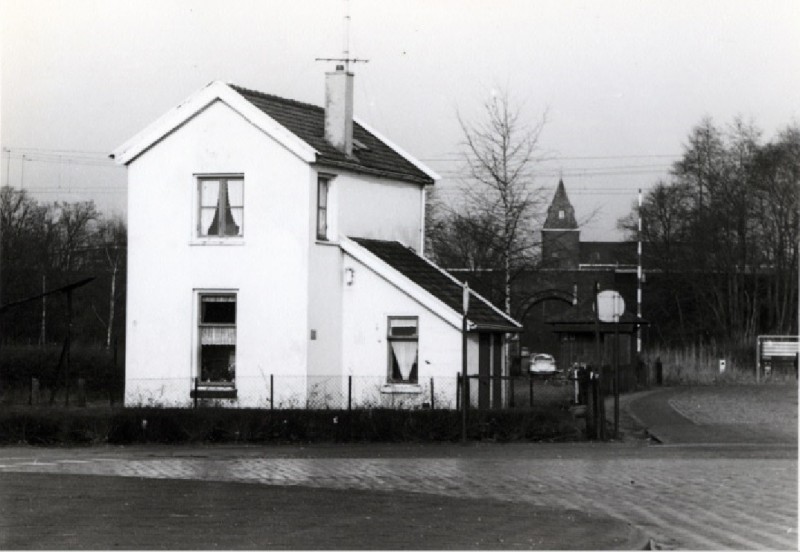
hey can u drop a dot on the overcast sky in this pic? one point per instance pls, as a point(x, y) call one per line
point(623, 82)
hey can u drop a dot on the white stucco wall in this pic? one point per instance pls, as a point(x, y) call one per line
point(371, 207)
point(267, 268)
point(367, 304)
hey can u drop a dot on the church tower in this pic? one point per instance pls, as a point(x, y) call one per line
point(560, 233)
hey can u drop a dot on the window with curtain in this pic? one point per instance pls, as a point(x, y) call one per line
point(403, 339)
point(217, 336)
point(323, 186)
point(221, 206)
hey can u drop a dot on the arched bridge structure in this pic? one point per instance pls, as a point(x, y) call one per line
point(546, 295)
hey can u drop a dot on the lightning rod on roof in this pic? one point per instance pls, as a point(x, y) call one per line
point(346, 59)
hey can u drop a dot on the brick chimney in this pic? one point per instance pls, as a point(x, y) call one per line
point(339, 109)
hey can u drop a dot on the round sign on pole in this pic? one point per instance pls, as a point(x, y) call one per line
point(610, 306)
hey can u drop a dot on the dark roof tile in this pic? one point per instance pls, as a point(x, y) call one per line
point(438, 284)
point(307, 122)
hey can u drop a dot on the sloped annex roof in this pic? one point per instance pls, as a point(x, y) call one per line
point(482, 314)
point(300, 127)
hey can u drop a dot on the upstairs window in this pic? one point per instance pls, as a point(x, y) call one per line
point(323, 187)
point(221, 206)
point(403, 341)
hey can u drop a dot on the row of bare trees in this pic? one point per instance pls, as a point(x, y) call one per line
point(722, 234)
point(47, 245)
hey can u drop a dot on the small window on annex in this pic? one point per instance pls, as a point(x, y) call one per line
point(217, 338)
point(221, 206)
point(403, 338)
point(323, 187)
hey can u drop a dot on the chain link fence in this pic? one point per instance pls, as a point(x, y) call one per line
point(316, 392)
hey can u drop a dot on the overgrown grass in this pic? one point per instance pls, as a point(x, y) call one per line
point(699, 365)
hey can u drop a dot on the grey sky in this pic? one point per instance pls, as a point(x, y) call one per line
point(624, 81)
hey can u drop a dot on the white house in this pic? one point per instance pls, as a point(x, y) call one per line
point(274, 255)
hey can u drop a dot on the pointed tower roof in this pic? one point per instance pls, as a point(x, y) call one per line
point(561, 213)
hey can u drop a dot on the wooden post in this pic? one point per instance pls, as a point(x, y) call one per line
point(464, 384)
point(69, 340)
point(271, 391)
point(458, 391)
point(349, 393)
point(81, 392)
point(195, 392)
point(433, 400)
point(34, 398)
point(616, 379)
point(511, 402)
point(530, 384)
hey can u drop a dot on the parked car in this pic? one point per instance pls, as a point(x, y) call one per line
point(543, 364)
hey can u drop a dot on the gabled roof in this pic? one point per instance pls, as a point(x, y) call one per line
point(297, 126)
point(439, 284)
point(371, 154)
point(560, 204)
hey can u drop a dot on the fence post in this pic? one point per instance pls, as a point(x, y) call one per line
point(195, 392)
point(271, 391)
point(458, 392)
point(511, 402)
point(530, 384)
point(34, 399)
point(349, 393)
point(81, 392)
point(433, 403)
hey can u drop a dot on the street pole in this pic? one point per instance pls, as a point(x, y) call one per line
point(464, 386)
point(616, 378)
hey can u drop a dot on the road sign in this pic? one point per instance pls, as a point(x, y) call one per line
point(610, 306)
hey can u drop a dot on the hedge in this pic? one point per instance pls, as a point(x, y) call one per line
point(75, 426)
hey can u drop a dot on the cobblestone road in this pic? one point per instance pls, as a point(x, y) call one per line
point(681, 498)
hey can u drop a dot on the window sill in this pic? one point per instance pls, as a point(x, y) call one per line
point(396, 388)
point(213, 393)
point(217, 241)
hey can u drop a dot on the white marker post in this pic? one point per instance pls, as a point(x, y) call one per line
point(610, 307)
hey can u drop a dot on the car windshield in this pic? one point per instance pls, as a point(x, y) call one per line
point(544, 358)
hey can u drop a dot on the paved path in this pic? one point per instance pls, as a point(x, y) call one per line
point(678, 416)
point(681, 499)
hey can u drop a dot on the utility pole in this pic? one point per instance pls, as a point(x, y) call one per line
point(464, 385)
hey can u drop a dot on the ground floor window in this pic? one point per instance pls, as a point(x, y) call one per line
point(403, 339)
point(217, 331)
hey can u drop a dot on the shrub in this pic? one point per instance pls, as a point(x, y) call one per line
point(221, 425)
point(93, 363)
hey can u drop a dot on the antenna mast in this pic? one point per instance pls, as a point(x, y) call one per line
point(346, 59)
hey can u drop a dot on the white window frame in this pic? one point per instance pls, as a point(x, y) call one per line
point(197, 358)
point(198, 238)
point(323, 212)
point(390, 379)
point(329, 236)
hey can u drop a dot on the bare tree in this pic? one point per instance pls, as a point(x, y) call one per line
point(110, 239)
point(501, 203)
